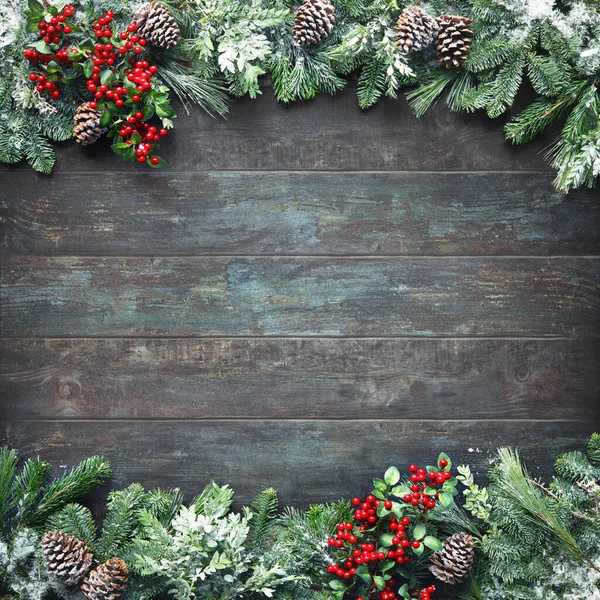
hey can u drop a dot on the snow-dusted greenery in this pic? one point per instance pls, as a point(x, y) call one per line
point(229, 44)
point(534, 541)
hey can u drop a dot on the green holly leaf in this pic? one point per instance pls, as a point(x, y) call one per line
point(387, 565)
point(446, 500)
point(107, 77)
point(399, 509)
point(392, 476)
point(161, 163)
point(164, 109)
point(430, 491)
point(419, 532)
point(433, 543)
point(382, 511)
point(400, 490)
point(136, 138)
point(87, 68)
point(418, 551)
point(379, 582)
point(385, 540)
point(105, 119)
point(379, 485)
point(444, 456)
point(403, 591)
point(336, 584)
point(364, 574)
point(41, 47)
point(120, 148)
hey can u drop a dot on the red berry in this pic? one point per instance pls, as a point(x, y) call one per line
point(407, 497)
point(416, 544)
point(443, 463)
point(142, 159)
point(93, 104)
point(135, 99)
point(412, 468)
point(388, 504)
point(32, 77)
point(355, 501)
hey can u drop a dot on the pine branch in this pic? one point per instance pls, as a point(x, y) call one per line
point(8, 467)
point(75, 520)
point(120, 522)
point(264, 509)
point(81, 480)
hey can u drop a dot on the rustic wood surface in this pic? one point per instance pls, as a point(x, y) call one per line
point(305, 296)
point(161, 213)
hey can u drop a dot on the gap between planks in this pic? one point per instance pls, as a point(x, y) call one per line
point(285, 420)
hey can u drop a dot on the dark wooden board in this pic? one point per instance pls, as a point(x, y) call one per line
point(306, 461)
point(461, 297)
point(292, 378)
point(296, 213)
point(324, 134)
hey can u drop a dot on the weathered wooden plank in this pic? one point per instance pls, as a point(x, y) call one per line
point(511, 297)
point(296, 213)
point(293, 378)
point(306, 461)
point(327, 133)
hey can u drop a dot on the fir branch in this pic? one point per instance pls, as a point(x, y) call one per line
point(81, 480)
point(264, 509)
point(427, 94)
point(75, 520)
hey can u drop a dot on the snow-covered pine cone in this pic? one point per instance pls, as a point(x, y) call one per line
point(415, 29)
point(453, 40)
point(453, 563)
point(107, 582)
point(66, 557)
point(86, 125)
point(156, 24)
point(314, 21)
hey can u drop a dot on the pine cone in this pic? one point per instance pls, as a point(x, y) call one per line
point(314, 21)
point(156, 24)
point(415, 29)
point(66, 556)
point(453, 40)
point(107, 582)
point(452, 564)
point(86, 128)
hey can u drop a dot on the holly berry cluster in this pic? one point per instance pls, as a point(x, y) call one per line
point(121, 81)
point(387, 535)
point(53, 32)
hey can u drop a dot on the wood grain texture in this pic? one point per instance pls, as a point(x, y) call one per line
point(292, 378)
point(296, 213)
point(166, 297)
point(324, 134)
point(306, 461)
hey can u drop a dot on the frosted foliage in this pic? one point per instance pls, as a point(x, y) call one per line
point(570, 582)
point(10, 20)
point(22, 568)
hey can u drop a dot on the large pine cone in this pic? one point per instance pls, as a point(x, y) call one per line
point(453, 563)
point(415, 29)
point(314, 21)
point(66, 557)
point(86, 125)
point(156, 24)
point(107, 582)
point(453, 40)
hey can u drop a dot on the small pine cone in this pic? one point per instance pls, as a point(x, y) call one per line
point(453, 40)
point(107, 582)
point(86, 125)
point(156, 24)
point(415, 29)
point(66, 557)
point(313, 22)
point(453, 563)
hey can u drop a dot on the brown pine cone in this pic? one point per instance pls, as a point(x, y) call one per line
point(107, 582)
point(415, 29)
point(453, 40)
point(86, 125)
point(313, 22)
point(66, 557)
point(156, 24)
point(453, 563)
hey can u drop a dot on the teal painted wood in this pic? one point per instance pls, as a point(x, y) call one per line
point(296, 213)
point(324, 134)
point(292, 378)
point(406, 296)
point(306, 461)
